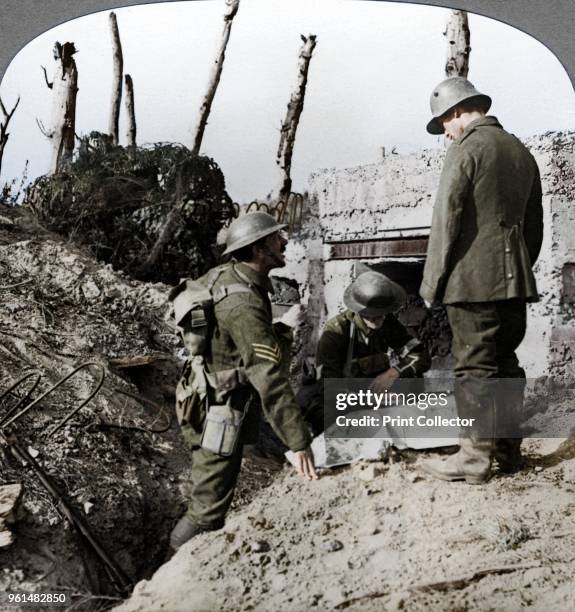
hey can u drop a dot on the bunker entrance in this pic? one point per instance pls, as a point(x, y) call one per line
point(429, 325)
point(401, 258)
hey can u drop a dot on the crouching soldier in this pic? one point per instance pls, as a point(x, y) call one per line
point(367, 340)
point(236, 369)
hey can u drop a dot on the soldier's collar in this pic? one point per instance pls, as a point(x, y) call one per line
point(253, 277)
point(477, 123)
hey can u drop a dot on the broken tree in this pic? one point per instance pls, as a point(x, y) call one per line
point(64, 89)
point(174, 217)
point(231, 10)
point(6, 116)
point(116, 81)
point(458, 49)
point(289, 126)
point(130, 110)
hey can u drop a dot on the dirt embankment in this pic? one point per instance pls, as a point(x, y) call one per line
point(120, 461)
point(383, 537)
point(59, 309)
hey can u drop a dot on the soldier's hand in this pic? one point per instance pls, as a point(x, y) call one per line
point(384, 381)
point(304, 464)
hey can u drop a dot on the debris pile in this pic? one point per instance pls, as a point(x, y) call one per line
point(60, 309)
point(114, 201)
point(10, 496)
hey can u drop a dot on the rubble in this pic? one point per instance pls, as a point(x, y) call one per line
point(10, 496)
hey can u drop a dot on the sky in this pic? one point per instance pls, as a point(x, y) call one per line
point(373, 68)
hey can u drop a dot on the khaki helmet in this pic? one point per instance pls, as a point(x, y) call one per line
point(372, 294)
point(448, 94)
point(249, 228)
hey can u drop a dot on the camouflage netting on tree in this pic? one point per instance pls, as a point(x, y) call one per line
point(115, 201)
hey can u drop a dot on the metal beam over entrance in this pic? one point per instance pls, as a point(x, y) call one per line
point(414, 246)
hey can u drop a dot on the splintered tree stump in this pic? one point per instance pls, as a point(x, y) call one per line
point(290, 123)
point(130, 110)
point(458, 48)
point(64, 89)
point(118, 58)
point(215, 75)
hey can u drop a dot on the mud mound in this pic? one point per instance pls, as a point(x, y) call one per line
point(381, 536)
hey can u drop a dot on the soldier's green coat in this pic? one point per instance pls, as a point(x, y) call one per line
point(246, 339)
point(249, 358)
point(487, 220)
point(370, 348)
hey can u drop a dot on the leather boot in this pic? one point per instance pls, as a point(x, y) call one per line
point(472, 462)
point(474, 467)
point(509, 421)
point(184, 530)
point(508, 455)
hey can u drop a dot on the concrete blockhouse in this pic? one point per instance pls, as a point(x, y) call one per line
point(380, 214)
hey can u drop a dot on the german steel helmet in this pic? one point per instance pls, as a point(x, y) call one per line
point(372, 294)
point(249, 228)
point(447, 94)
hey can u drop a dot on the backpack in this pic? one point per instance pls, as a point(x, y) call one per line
point(193, 304)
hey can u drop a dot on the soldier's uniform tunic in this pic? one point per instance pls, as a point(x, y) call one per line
point(248, 360)
point(485, 236)
point(370, 355)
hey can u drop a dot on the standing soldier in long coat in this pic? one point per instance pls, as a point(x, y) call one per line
point(486, 234)
point(241, 372)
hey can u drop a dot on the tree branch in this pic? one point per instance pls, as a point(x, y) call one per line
point(44, 131)
point(50, 85)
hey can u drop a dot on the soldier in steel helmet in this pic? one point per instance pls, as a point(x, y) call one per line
point(486, 235)
point(245, 363)
point(367, 340)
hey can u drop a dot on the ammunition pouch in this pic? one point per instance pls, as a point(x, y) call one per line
point(222, 428)
point(228, 380)
point(199, 391)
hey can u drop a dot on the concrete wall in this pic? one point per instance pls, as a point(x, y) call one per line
point(395, 196)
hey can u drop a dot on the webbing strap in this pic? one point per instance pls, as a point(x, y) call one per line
point(222, 292)
point(349, 356)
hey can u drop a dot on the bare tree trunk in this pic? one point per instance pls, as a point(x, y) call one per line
point(231, 10)
point(4, 126)
point(64, 89)
point(289, 126)
point(458, 49)
point(113, 128)
point(131, 134)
